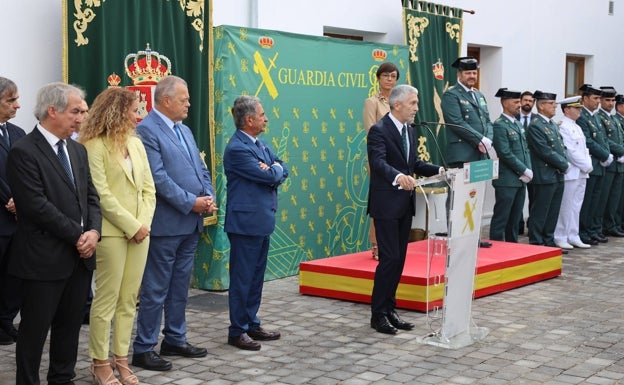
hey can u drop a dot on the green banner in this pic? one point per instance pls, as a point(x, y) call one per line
point(100, 35)
point(134, 43)
point(433, 35)
point(313, 91)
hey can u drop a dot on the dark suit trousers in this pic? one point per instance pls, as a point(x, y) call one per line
point(248, 260)
point(56, 306)
point(10, 288)
point(392, 238)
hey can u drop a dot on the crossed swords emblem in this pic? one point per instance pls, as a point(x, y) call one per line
point(261, 68)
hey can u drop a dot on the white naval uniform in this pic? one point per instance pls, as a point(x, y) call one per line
point(567, 229)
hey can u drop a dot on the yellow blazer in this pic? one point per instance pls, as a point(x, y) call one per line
point(127, 199)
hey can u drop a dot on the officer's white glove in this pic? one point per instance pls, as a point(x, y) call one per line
point(620, 159)
point(487, 142)
point(529, 173)
point(607, 162)
point(524, 178)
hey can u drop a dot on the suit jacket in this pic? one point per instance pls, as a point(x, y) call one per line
point(530, 117)
point(595, 140)
point(7, 219)
point(548, 154)
point(127, 199)
point(53, 212)
point(387, 159)
point(251, 191)
point(178, 177)
point(513, 152)
point(460, 108)
point(615, 139)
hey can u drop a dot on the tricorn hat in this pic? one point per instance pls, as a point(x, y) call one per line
point(465, 63)
point(504, 93)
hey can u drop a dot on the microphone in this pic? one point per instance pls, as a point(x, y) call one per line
point(435, 140)
point(491, 153)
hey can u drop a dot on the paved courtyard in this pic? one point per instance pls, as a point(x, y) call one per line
point(567, 330)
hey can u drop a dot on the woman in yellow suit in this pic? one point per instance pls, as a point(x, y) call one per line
point(122, 177)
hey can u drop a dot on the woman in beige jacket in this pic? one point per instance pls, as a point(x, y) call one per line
point(122, 177)
point(375, 108)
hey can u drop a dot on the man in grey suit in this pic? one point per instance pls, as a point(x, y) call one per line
point(184, 193)
point(58, 229)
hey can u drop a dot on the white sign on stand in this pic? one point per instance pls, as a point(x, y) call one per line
point(462, 244)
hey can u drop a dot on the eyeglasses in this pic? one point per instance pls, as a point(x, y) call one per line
point(386, 75)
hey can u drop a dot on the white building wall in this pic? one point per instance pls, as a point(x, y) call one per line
point(524, 42)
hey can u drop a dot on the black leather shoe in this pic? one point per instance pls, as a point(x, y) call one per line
point(5, 338)
point(12, 332)
point(616, 233)
point(244, 342)
point(382, 325)
point(398, 323)
point(263, 335)
point(601, 238)
point(150, 361)
point(186, 350)
point(589, 241)
point(485, 244)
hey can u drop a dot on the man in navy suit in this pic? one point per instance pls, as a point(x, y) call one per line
point(184, 193)
point(59, 225)
point(254, 174)
point(393, 161)
point(10, 291)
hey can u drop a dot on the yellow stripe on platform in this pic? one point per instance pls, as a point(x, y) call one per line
point(516, 273)
point(336, 282)
point(418, 293)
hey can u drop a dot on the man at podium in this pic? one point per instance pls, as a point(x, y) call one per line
point(393, 162)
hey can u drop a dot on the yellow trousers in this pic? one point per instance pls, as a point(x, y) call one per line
point(118, 275)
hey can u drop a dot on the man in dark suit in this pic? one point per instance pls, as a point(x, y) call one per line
point(469, 129)
point(514, 170)
point(184, 193)
point(548, 157)
point(10, 290)
point(393, 161)
point(254, 174)
point(57, 232)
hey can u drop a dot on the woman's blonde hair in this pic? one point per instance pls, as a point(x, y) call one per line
point(108, 117)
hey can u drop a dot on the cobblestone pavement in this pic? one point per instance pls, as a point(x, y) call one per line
point(567, 330)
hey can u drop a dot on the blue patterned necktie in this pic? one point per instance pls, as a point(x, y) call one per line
point(176, 128)
point(63, 159)
point(261, 148)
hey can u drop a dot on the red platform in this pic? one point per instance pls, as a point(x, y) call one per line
point(502, 267)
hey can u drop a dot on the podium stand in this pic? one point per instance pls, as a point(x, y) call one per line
point(452, 325)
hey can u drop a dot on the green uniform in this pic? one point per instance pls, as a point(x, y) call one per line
point(460, 108)
point(514, 158)
point(590, 223)
point(549, 161)
point(612, 181)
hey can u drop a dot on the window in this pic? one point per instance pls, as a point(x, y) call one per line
point(575, 74)
point(475, 52)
